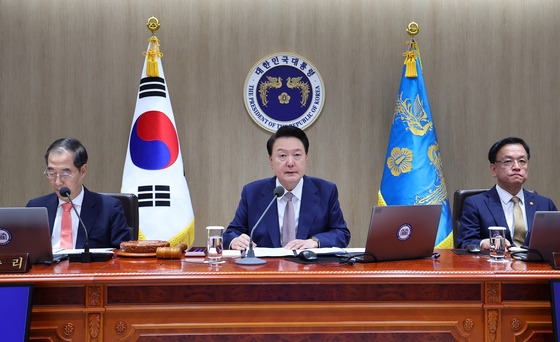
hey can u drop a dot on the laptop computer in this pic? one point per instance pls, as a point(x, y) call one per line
point(26, 230)
point(545, 237)
point(402, 232)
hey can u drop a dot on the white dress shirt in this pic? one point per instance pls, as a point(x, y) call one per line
point(55, 238)
point(507, 205)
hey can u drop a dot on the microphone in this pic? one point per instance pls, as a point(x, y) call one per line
point(86, 256)
point(249, 258)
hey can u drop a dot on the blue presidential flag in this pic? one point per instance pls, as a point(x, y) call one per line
point(413, 172)
point(153, 167)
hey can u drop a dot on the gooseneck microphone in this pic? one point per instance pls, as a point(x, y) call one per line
point(249, 258)
point(86, 256)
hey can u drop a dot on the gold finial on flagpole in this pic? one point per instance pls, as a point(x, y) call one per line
point(152, 68)
point(412, 29)
point(410, 60)
point(153, 24)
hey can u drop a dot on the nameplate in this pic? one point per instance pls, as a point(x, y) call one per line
point(14, 263)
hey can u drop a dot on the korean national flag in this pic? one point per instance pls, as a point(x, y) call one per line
point(153, 168)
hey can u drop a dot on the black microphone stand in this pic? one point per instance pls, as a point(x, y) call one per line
point(249, 258)
point(86, 256)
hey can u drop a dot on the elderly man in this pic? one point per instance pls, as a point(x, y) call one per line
point(103, 216)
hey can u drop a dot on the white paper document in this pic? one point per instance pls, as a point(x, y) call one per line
point(262, 252)
point(58, 251)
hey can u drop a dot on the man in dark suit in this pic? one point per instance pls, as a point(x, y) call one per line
point(509, 159)
point(314, 208)
point(103, 216)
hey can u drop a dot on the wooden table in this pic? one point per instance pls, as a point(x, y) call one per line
point(453, 298)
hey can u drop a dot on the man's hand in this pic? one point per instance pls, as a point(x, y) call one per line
point(485, 244)
point(301, 244)
point(241, 242)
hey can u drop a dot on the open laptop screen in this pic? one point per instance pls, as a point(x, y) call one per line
point(15, 311)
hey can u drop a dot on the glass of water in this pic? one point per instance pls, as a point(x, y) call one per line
point(215, 244)
point(497, 244)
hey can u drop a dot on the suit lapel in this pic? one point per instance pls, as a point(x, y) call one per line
point(270, 219)
point(88, 213)
point(52, 205)
point(530, 209)
point(308, 209)
point(497, 211)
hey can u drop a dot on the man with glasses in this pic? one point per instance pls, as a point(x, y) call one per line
point(103, 216)
point(507, 204)
point(308, 215)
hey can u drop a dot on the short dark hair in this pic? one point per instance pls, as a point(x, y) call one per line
point(507, 141)
point(288, 131)
point(70, 145)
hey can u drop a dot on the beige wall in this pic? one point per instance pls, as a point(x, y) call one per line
point(72, 68)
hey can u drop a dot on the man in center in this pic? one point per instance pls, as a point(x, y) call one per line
point(308, 215)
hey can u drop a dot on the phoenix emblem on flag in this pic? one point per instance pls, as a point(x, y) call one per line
point(414, 115)
point(439, 194)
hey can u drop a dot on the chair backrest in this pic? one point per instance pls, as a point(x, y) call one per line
point(458, 200)
point(130, 204)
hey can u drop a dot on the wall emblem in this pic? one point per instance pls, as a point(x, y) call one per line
point(284, 89)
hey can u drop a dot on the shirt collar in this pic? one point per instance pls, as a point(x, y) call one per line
point(505, 196)
point(297, 191)
point(77, 201)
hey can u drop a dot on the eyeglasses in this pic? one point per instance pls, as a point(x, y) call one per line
point(509, 162)
point(64, 176)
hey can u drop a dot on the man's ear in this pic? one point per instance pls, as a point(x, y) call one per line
point(83, 170)
point(493, 170)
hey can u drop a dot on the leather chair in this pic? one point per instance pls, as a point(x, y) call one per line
point(130, 204)
point(458, 200)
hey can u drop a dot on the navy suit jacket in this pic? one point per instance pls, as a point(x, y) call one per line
point(320, 215)
point(485, 210)
point(102, 215)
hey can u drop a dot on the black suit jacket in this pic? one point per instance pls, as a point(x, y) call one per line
point(102, 215)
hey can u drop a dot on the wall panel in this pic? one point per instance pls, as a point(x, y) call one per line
point(71, 68)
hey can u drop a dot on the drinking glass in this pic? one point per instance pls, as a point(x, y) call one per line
point(215, 244)
point(497, 244)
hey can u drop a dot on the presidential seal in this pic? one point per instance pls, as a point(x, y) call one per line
point(5, 236)
point(404, 232)
point(284, 89)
